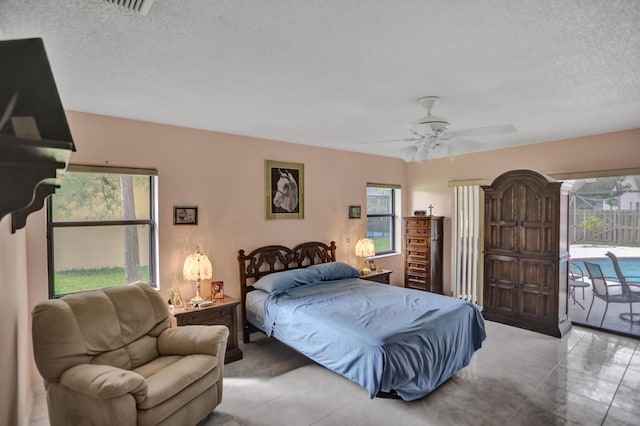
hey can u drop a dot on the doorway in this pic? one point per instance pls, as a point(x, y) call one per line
point(604, 216)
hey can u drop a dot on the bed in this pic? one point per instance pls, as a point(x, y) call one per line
point(392, 341)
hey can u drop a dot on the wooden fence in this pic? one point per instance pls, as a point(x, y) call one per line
point(621, 227)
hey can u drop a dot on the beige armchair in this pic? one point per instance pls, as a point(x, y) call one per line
point(110, 357)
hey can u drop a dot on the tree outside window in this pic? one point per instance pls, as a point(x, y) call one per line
point(101, 231)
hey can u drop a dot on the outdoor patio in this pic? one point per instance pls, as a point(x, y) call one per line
point(612, 321)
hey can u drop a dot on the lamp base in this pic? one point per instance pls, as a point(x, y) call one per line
point(197, 298)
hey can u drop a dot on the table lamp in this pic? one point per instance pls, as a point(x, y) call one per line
point(197, 266)
point(365, 248)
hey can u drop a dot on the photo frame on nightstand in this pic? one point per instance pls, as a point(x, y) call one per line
point(217, 290)
point(176, 298)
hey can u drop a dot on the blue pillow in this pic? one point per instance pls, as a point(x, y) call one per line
point(282, 281)
point(335, 271)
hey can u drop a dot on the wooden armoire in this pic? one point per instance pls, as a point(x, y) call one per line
point(423, 253)
point(526, 252)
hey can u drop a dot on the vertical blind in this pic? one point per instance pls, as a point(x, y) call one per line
point(466, 251)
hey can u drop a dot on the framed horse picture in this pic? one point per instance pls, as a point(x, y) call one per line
point(283, 190)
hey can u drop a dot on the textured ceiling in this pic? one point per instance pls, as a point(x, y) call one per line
point(337, 73)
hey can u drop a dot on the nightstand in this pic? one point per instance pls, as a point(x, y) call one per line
point(379, 277)
point(222, 312)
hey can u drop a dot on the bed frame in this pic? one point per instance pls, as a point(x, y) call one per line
point(269, 259)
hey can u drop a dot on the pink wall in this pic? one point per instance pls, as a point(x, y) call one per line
point(223, 175)
point(427, 182)
point(15, 335)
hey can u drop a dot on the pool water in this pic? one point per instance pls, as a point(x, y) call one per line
point(630, 266)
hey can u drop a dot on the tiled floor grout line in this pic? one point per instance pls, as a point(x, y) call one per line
point(545, 378)
point(635, 350)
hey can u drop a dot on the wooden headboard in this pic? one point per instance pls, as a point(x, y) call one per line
point(269, 259)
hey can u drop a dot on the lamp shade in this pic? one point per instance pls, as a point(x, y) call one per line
point(197, 266)
point(365, 247)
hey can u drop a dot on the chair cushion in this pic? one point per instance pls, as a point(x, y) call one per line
point(614, 290)
point(170, 375)
point(116, 326)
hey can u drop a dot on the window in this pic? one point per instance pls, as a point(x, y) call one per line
point(382, 203)
point(101, 229)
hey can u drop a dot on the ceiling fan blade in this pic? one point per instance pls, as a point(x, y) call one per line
point(454, 140)
point(391, 140)
point(484, 131)
point(408, 154)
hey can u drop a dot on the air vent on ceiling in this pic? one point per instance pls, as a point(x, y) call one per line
point(139, 6)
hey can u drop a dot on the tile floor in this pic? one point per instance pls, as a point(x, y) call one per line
point(519, 377)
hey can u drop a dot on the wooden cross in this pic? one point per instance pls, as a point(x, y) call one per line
point(430, 208)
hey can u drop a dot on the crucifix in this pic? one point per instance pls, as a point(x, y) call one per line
point(430, 208)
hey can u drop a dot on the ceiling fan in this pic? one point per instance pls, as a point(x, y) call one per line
point(432, 139)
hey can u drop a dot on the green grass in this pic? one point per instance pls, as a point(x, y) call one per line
point(382, 244)
point(90, 279)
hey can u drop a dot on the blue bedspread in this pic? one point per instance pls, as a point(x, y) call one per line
point(382, 337)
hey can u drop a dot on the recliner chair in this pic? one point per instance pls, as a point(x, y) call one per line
point(110, 357)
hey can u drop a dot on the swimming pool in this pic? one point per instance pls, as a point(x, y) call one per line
point(630, 266)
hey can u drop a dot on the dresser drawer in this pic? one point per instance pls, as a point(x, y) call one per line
point(417, 241)
point(418, 222)
point(209, 317)
point(417, 253)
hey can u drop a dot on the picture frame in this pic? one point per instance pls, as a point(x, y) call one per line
point(185, 215)
point(217, 290)
point(283, 190)
point(176, 298)
point(355, 212)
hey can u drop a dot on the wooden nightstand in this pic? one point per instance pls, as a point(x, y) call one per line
point(223, 312)
point(379, 277)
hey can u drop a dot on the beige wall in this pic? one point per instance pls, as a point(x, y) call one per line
point(223, 176)
point(427, 183)
point(15, 355)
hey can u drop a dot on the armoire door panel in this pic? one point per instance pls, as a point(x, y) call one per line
point(501, 276)
point(537, 278)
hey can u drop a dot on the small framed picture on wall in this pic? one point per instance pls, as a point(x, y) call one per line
point(185, 215)
point(354, 212)
point(217, 290)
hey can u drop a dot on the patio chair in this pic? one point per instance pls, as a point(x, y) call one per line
point(609, 292)
point(576, 280)
point(633, 285)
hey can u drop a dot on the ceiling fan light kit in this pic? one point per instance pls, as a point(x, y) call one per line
point(432, 138)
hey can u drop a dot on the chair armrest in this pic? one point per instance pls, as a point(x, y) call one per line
point(105, 381)
point(194, 339)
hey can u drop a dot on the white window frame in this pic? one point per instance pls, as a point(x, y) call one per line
point(151, 222)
